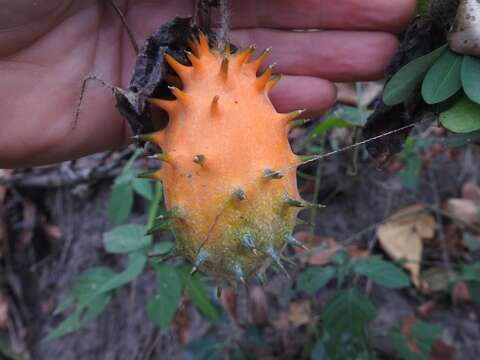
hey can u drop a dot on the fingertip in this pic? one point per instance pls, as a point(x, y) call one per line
point(304, 92)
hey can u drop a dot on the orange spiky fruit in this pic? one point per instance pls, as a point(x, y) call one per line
point(228, 171)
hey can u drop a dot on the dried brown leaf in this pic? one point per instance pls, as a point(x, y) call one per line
point(300, 312)
point(402, 236)
point(324, 248)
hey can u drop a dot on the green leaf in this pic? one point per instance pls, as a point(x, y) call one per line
point(314, 279)
point(457, 140)
point(326, 125)
point(161, 248)
point(162, 306)
point(474, 290)
point(471, 78)
point(462, 117)
point(126, 238)
point(348, 312)
point(88, 283)
point(422, 7)
point(443, 80)
point(120, 203)
point(80, 317)
point(422, 335)
point(353, 115)
point(471, 242)
point(381, 272)
point(197, 293)
point(409, 77)
point(136, 264)
point(471, 272)
point(143, 187)
point(409, 175)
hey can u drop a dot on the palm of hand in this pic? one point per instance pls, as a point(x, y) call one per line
point(47, 52)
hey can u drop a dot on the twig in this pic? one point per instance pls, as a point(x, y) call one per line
point(125, 25)
point(224, 23)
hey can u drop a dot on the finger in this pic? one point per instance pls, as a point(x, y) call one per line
point(334, 55)
point(303, 92)
point(386, 15)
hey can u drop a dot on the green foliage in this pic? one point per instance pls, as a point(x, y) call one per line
point(126, 238)
point(443, 73)
point(197, 293)
point(406, 80)
point(314, 279)
point(443, 78)
point(422, 337)
point(412, 164)
point(422, 7)
point(381, 272)
point(162, 306)
point(462, 117)
point(472, 244)
point(92, 290)
point(348, 312)
point(471, 78)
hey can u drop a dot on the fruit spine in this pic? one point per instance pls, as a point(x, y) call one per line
point(228, 172)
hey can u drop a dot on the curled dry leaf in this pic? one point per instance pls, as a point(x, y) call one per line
point(258, 307)
point(402, 236)
point(323, 249)
point(300, 312)
point(465, 210)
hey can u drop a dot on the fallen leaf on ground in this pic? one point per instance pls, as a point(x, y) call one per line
point(471, 191)
point(465, 210)
point(258, 307)
point(300, 312)
point(437, 280)
point(402, 236)
point(323, 249)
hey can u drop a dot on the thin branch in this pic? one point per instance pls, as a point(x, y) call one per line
point(125, 25)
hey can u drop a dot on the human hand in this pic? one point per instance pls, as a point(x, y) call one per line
point(47, 47)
